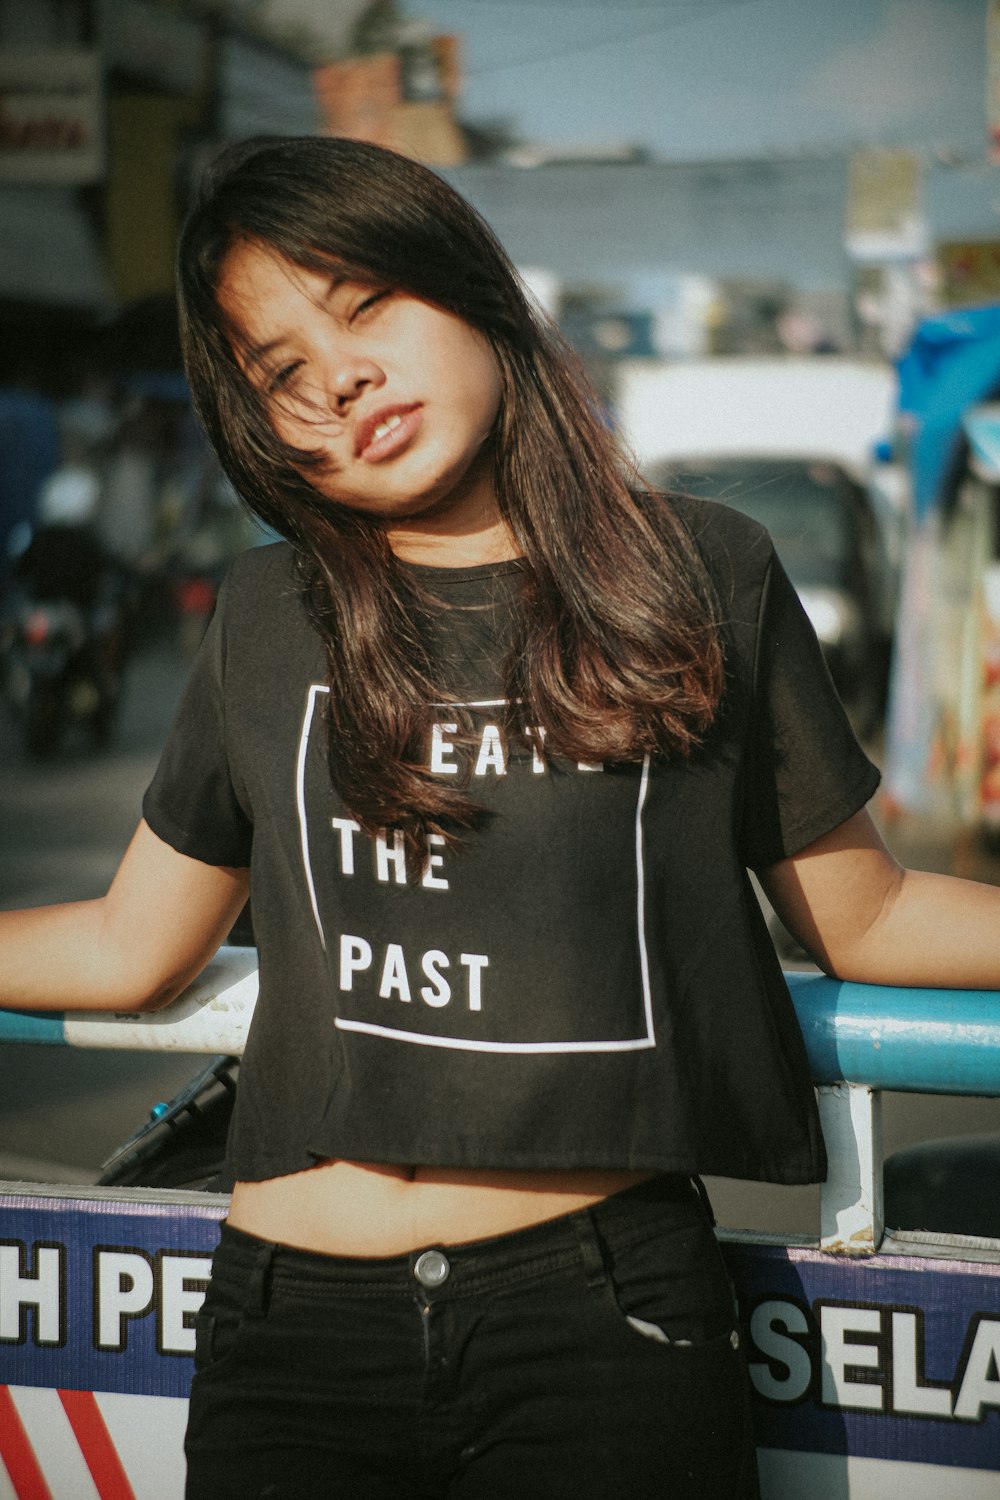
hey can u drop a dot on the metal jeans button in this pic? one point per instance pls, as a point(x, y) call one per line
point(431, 1268)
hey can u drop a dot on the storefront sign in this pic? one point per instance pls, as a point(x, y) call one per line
point(884, 215)
point(51, 120)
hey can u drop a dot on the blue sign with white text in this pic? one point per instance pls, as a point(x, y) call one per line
point(893, 1357)
point(885, 1357)
point(101, 1295)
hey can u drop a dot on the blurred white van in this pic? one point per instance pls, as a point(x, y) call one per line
point(789, 442)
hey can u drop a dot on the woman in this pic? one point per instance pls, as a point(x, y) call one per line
point(493, 737)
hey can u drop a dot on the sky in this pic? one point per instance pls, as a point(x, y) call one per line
point(704, 79)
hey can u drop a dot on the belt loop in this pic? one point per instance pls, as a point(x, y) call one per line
point(258, 1286)
point(591, 1247)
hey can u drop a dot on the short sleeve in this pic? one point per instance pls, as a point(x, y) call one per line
point(192, 802)
point(805, 771)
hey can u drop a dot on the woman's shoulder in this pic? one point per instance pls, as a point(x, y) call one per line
point(262, 579)
point(273, 563)
point(261, 601)
point(736, 550)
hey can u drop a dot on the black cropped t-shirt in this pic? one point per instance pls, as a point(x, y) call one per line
point(588, 981)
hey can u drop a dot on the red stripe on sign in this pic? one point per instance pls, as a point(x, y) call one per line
point(17, 1453)
point(96, 1446)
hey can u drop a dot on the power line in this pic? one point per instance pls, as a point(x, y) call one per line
point(617, 39)
point(574, 4)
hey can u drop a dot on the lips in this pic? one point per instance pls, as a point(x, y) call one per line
point(387, 432)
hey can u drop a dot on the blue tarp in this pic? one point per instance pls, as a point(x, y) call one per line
point(953, 361)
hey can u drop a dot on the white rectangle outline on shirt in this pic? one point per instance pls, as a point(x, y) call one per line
point(469, 1044)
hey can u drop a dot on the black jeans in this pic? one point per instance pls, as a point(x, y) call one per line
point(592, 1356)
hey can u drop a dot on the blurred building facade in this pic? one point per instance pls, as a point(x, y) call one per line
point(397, 86)
point(107, 109)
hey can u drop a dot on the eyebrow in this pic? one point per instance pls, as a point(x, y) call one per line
point(257, 354)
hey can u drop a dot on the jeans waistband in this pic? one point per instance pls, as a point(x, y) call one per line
point(582, 1237)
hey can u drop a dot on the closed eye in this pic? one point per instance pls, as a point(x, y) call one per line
point(367, 303)
point(281, 377)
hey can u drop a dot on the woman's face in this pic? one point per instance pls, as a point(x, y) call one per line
point(397, 395)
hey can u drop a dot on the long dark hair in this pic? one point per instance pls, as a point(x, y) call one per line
point(616, 649)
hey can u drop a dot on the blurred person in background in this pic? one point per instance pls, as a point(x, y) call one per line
point(67, 615)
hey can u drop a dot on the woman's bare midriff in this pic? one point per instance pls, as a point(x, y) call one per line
point(353, 1208)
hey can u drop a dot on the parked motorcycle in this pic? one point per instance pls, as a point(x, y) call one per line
point(63, 639)
point(183, 1143)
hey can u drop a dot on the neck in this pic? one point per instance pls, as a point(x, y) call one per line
point(464, 530)
point(487, 544)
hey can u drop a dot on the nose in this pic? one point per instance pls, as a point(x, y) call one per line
point(348, 378)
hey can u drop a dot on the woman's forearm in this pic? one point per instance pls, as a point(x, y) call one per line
point(133, 949)
point(938, 931)
point(58, 958)
point(864, 917)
